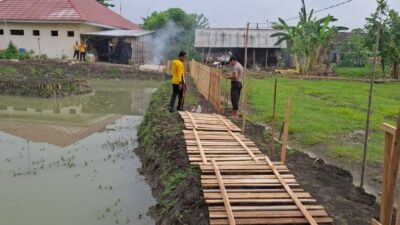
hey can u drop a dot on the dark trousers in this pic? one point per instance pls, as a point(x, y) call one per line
point(83, 56)
point(179, 93)
point(236, 88)
point(76, 55)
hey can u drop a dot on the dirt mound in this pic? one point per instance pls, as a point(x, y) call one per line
point(175, 183)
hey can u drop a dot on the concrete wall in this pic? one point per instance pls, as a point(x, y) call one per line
point(53, 47)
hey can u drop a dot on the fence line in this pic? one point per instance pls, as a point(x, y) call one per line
point(208, 81)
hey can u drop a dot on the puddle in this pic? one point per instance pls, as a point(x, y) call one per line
point(70, 162)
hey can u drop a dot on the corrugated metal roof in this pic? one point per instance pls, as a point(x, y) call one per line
point(120, 33)
point(63, 11)
point(235, 38)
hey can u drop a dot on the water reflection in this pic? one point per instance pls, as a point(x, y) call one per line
point(69, 161)
point(64, 121)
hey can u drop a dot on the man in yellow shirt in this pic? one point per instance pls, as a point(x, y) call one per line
point(82, 50)
point(178, 82)
point(77, 47)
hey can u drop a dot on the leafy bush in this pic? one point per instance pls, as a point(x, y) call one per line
point(12, 53)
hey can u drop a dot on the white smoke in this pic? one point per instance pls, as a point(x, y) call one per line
point(162, 41)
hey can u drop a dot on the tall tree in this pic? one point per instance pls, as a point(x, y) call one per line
point(389, 45)
point(353, 49)
point(310, 39)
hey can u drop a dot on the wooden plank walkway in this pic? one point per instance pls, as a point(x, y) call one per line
point(240, 184)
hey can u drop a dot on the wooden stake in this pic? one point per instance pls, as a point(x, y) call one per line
point(273, 119)
point(225, 96)
point(387, 207)
point(371, 88)
point(285, 131)
point(227, 204)
point(244, 77)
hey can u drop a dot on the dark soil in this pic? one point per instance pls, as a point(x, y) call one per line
point(162, 151)
point(56, 78)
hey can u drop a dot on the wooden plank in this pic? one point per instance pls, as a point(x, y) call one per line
point(192, 120)
point(387, 207)
point(388, 128)
point(375, 222)
point(267, 208)
point(306, 214)
point(227, 204)
point(260, 201)
point(389, 138)
point(256, 195)
point(285, 131)
point(271, 221)
point(244, 146)
point(199, 145)
point(223, 121)
point(268, 214)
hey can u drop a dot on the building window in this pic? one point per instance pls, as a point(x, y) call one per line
point(17, 32)
point(1, 32)
point(70, 33)
point(36, 33)
point(54, 33)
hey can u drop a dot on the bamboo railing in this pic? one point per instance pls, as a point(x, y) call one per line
point(208, 81)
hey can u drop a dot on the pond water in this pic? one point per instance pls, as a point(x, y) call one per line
point(70, 162)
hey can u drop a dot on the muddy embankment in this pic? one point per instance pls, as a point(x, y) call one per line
point(51, 78)
point(176, 184)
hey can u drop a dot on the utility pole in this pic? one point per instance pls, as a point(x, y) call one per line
point(371, 88)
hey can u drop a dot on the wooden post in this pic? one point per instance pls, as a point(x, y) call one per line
point(254, 57)
point(244, 77)
point(285, 131)
point(225, 96)
point(273, 119)
point(266, 59)
point(387, 206)
point(388, 155)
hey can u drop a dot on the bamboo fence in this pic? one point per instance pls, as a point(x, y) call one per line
point(208, 81)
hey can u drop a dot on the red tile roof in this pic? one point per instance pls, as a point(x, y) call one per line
point(64, 11)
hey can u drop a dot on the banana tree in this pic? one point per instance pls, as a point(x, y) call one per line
point(290, 34)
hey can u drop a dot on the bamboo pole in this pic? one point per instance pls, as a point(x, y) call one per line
point(273, 120)
point(371, 88)
point(244, 77)
point(285, 131)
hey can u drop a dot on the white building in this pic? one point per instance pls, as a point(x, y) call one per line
point(52, 27)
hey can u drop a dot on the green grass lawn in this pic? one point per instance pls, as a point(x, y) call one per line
point(326, 113)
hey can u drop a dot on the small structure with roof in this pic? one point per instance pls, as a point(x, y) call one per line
point(52, 27)
point(218, 44)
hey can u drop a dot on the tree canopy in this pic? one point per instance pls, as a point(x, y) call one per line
point(184, 25)
point(309, 40)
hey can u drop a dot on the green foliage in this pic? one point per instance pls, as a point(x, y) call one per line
point(388, 21)
point(353, 50)
point(185, 24)
point(106, 3)
point(12, 53)
point(354, 72)
point(309, 40)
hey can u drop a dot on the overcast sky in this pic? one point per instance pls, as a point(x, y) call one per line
point(236, 13)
